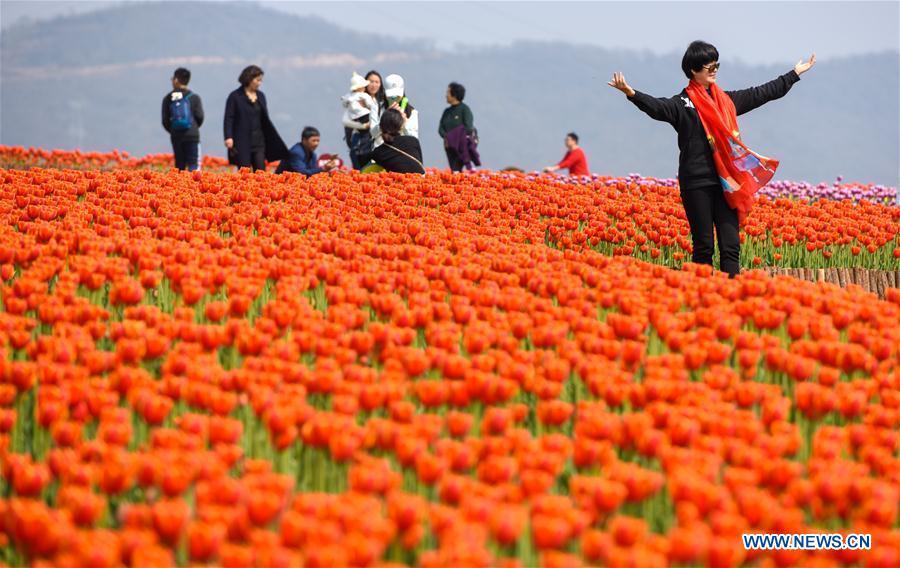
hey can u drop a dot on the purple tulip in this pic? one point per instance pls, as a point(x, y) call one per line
point(856, 192)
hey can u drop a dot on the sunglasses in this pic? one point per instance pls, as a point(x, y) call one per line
point(712, 67)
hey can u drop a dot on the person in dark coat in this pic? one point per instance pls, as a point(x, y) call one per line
point(700, 181)
point(184, 129)
point(250, 136)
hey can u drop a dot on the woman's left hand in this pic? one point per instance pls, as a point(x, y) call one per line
point(800, 68)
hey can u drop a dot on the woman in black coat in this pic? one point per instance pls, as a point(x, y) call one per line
point(702, 193)
point(250, 136)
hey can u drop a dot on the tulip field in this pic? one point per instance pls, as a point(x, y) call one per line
point(18, 157)
point(837, 191)
point(483, 369)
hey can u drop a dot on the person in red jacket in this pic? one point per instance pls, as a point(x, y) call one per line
point(575, 160)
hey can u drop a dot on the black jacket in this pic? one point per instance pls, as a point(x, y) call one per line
point(192, 134)
point(695, 162)
point(238, 117)
point(394, 159)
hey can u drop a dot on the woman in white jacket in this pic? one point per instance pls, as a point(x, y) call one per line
point(395, 92)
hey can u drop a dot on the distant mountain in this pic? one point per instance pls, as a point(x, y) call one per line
point(96, 81)
point(132, 32)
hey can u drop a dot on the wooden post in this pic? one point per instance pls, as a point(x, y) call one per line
point(842, 277)
point(884, 283)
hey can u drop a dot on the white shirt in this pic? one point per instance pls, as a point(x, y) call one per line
point(355, 106)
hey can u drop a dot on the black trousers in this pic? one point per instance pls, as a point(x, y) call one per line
point(361, 144)
point(707, 211)
point(456, 165)
point(187, 154)
point(258, 159)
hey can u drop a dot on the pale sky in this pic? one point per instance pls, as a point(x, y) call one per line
point(759, 32)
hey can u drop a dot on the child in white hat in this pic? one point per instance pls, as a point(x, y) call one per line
point(360, 115)
point(358, 104)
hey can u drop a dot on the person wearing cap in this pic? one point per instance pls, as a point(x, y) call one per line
point(353, 110)
point(360, 116)
point(575, 160)
point(395, 93)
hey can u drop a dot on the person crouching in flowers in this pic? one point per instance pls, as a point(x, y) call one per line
point(302, 159)
point(718, 174)
point(400, 152)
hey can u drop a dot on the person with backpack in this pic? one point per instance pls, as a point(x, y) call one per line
point(457, 128)
point(718, 174)
point(182, 117)
point(574, 160)
point(399, 153)
point(250, 136)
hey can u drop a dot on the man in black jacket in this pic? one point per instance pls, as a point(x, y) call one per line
point(182, 116)
point(701, 187)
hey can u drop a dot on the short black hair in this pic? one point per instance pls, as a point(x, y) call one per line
point(457, 91)
point(309, 132)
point(391, 122)
point(182, 75)
point(573, 136)
point(249, 73)
point(698, 54)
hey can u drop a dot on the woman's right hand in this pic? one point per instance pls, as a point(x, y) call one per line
point(618, 82)
point(229, 143)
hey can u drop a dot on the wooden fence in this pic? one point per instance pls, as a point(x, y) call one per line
point(875, 281)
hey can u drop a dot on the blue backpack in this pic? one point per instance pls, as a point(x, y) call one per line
point(181, 117)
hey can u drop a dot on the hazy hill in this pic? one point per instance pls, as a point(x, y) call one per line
point(140, 31)
point(96, 81)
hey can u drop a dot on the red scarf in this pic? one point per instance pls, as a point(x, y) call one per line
point(741, 170)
